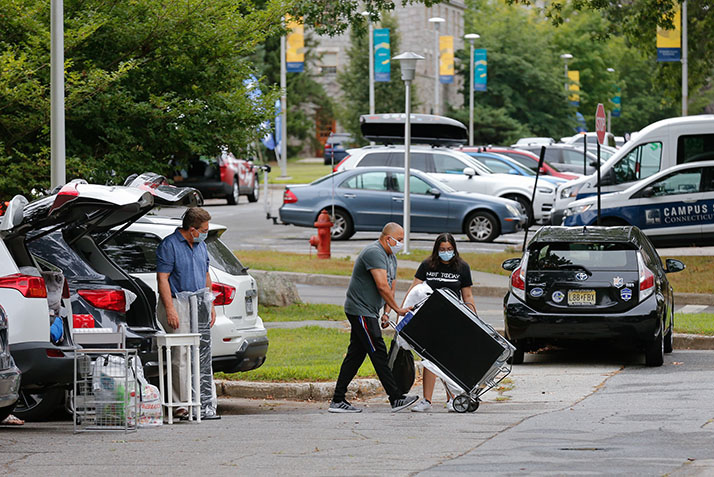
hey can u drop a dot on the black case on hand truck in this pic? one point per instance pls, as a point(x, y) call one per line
point(468, 351)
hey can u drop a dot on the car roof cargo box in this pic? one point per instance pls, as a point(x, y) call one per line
point(425, 129)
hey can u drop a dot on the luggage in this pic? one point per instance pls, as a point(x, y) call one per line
point(462, 349)
point(401, 362)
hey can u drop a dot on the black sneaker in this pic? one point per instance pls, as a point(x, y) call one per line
point(342, 406)
point(404, 402)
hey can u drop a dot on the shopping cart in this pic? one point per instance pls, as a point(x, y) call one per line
point(457, 346)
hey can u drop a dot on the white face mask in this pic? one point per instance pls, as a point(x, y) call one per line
point(396, 247)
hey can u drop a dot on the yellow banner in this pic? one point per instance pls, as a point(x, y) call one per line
point(295, 54)
point(446, 59)
point(574, 85)
point(671, 38)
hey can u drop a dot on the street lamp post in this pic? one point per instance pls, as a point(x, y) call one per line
point(370, 32)
point(471, 37)
point(57, 142)
point(437, 54)
point(407, 63)
point(609, 110)
point(566, 57)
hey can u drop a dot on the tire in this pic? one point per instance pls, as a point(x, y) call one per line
point(461, 403)
point(6, 411)
point(255, 193)
point(668, 346)
point(343, 227)
point(526, 204)
point(38, 405)
point(654, 350)
point(481, 226)
point(233, 197)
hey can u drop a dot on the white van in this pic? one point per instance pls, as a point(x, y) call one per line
point(657, 147)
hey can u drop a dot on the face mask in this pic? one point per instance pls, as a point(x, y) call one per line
point(201, 237)
point(396, 247)
point(446, 255)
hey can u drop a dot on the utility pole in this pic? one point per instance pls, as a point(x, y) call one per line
point(57, 144)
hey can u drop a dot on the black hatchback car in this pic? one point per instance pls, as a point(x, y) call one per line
point(576, 284)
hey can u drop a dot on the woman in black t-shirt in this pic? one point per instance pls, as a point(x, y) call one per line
point(443, 269)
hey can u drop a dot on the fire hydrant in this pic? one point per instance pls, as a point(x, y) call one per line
point(322, 239)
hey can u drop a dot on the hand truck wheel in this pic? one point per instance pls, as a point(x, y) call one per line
point(473, 404)
point(461, 403)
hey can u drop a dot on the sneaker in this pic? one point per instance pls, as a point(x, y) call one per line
point(450, 405)
point(342, 406)
point(422, 406)
point(404, 402)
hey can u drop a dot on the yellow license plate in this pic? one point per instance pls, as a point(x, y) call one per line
point(581, 297)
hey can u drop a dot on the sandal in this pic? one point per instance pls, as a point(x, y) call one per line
point(12, 420)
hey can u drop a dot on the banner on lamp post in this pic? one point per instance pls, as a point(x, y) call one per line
point(480, 69)
point(616, 105)
point(446, 59)
point(295, 53)
point(669, 41)
point(574, 87)
point(382, 55)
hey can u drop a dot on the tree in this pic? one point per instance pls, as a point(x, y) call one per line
point(354, 82)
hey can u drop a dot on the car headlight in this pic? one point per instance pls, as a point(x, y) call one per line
point(545, 190)
point(579, 209)
point(513, 210)
point(571, 191)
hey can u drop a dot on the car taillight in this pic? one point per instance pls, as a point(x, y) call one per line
point(224, 293)
point(334, 169)
point(29, 286)
point(114, 300)
point(646, 278)
point(328, 146)
point(82, 321)
point(66, 194)
point(518, 279)
point(289, 197)
point(54, 353)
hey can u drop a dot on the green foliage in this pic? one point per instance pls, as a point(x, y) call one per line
point(301, 312)
point(354, 81)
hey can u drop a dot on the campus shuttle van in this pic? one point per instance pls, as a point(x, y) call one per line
point(657, 147)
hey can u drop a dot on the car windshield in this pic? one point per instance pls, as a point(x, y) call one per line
point(584, 256)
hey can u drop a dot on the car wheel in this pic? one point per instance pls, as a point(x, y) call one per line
point(668, 347)
point(526, 204)
point(5, 411)
point(255, 193)
point(481, 227)
point(342, 228)
point(235, 193)
point(654, 350)
point(38, 405)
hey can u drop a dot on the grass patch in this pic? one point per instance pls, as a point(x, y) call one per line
point(309, 354)
point(301, 312)
point(299, 172)
point(698, 277)
point(695, 323)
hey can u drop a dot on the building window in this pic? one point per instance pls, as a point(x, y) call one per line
point(328, 63)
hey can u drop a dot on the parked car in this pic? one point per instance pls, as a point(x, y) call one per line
point(223, 177)
point(366, 198)
point(501, 164)
point(658, 147)
point(675, 206)
point(9, 373)
point(461, 172)
point(534, 140)
point(525, 158)
point(566, 157)
point(591, 137)
point(239, 341)
point(336, 147)
point(589, 284)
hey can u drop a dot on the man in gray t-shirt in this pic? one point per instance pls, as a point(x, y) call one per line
point(372, 287)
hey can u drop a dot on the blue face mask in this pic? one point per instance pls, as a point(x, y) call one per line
point(447, 255)
point(201, 237)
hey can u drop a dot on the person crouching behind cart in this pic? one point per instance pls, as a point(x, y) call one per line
point(373, 281)
point(443, 269)
point(182, 266)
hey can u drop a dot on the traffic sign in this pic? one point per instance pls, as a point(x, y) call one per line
point(600, 123)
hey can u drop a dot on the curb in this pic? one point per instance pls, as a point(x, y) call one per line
point(358, 388)
point(318, 279)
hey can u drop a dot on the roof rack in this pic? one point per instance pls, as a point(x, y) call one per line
point(425, 129)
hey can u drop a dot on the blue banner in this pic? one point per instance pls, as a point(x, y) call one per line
point(480, 69)
point(616, 104)
point(669, 54)
point(382, 55)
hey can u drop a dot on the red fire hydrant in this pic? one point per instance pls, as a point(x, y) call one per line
point(322, 239)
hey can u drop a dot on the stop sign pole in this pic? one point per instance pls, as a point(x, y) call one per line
point(600, 127)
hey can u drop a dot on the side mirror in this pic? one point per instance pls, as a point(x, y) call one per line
point(435, 192)
point(511, 264)
point(469, 171)
point(647, 192)
point(673, 266)
point(608, 178)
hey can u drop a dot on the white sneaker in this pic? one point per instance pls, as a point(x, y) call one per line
point(422, 406)
point(450, 405)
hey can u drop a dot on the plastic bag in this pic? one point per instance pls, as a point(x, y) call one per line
point(114, 388)
point(150, 405)
point(196, 308)
point(401, 362)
